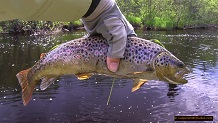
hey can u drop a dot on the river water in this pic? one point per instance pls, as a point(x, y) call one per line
point(74, 101)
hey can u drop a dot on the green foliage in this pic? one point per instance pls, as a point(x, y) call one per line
point(77, 23)
point(168, 14)
point(157, 14)
point(1, 30)
point(20, 26)
point(136, 21)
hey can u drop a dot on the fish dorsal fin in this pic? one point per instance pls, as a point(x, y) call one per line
point(83, 76)
point(137, 83)
point(47, 81)
point(42, 55)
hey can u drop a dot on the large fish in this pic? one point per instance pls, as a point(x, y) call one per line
point(143, 60)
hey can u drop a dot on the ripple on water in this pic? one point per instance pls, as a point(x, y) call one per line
point(9, 95)
point(200, 95)
point(70, 100)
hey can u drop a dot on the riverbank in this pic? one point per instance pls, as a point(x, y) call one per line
point(49, 28)
point(38, 27)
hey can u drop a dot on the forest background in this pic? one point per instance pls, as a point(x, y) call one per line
point(145, 14)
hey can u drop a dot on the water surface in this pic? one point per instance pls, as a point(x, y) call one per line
point(71, 100)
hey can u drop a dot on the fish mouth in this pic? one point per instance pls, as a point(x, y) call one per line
point(178, 78)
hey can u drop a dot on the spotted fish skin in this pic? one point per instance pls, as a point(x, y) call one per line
point(87, 55)
point(143, 60)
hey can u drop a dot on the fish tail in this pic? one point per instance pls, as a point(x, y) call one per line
point(27, 87)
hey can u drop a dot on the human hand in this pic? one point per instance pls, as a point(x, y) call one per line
point(113, 64)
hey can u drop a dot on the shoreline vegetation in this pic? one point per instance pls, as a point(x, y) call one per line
point(38, 27)
point(142, 14)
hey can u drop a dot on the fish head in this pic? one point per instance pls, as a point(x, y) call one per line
point(169, 68)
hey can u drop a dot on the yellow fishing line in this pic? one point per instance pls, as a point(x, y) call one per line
point(108, 100)
point(54, 47)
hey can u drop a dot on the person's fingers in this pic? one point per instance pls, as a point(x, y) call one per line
point(113, 64)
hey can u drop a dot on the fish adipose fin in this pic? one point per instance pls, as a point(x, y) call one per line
point(42, 55)
point(46, 82)
point(137, 83)
point(26, 85)
point(83, 76)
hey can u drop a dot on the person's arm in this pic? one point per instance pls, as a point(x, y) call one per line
point(48, 10)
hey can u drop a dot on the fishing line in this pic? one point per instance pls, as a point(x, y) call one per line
point(108, 100)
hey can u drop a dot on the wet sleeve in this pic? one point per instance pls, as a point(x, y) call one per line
point(48, 10)
point(113, 29)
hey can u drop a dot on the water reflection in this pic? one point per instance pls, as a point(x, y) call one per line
point(70, 100)
point(172, 91)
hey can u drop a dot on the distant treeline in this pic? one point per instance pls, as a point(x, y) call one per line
point(146, 14)
point(37, 27)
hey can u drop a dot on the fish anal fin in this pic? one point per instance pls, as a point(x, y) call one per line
point(46, 82)
point(26, 85)
point(42, 55)
point(138, 83)
point(83, 76)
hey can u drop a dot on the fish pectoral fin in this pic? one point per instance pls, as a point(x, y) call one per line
point(146, 70)
point(137, 83)
point(137, 72)
point(47, 81)
point(83, 76)
point(140, 70)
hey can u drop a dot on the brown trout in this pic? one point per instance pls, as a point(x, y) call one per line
point(143, 60)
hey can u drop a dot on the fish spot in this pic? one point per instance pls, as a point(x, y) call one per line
point(129, 54)
point(144, 58)
point(180, 65)
point(78, 56)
